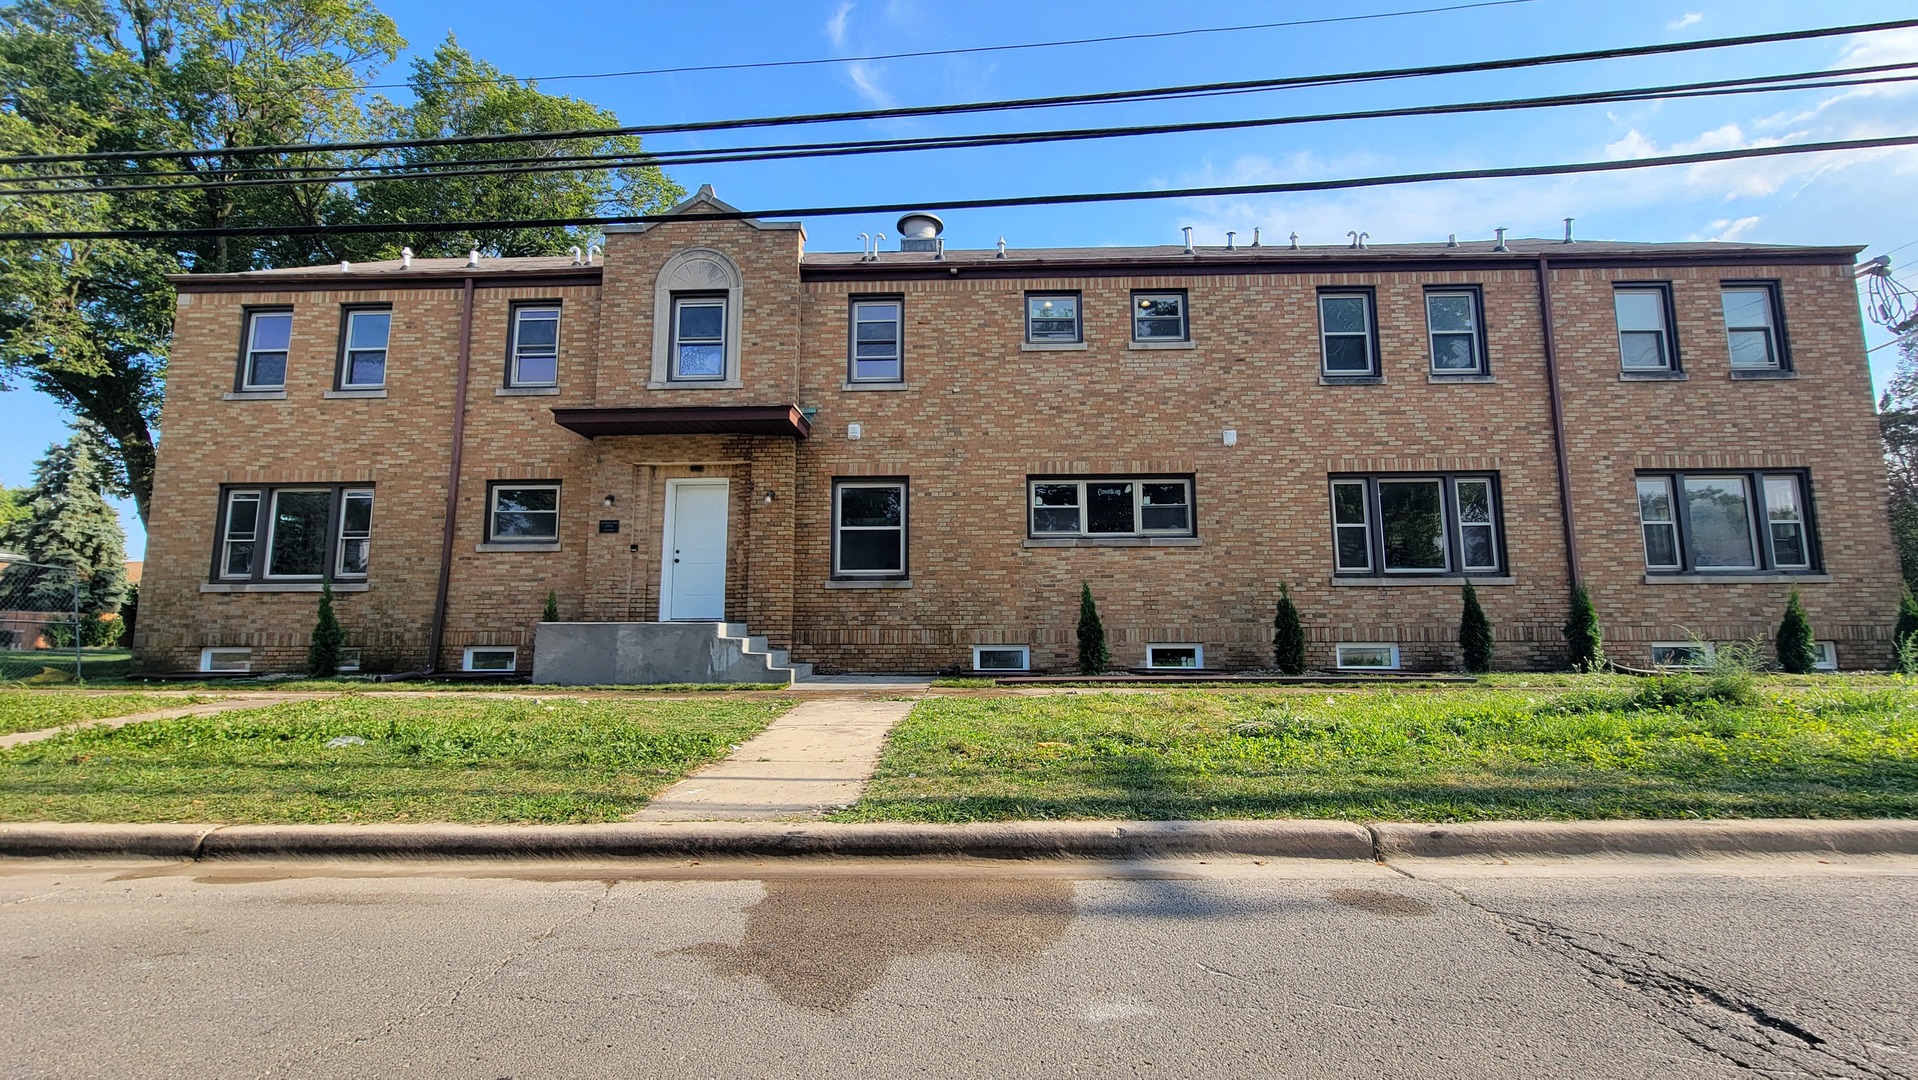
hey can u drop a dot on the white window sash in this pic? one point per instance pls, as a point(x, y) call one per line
point(521, 316)
point(1795, 521)
point(1490, 526)
point(228, 539)
point(349, 352)
point(1432, 334)
point(1668, 523)
point(1365, 335)
point(680, 304)
point(492, 514)
point(247, 381)
point(1138, 319)
point(1363, 525)
point(354, 536)
point(897, 321)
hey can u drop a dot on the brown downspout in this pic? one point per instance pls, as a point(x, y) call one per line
point(437, 636)
point(1558, 419)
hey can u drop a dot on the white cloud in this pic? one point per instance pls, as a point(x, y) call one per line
point(865, 79)
point(1690, 18)
point(836, 26)
point(1728, 230)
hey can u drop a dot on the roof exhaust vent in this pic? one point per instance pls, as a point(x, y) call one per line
point(1187, 230)
point(592, 252)
point(406, 258)
point(1500, 245)
point(345, 267)
point(1231, 240)
point(472, 258)
point(574, 252)
point(919, 232)
point(1002, 248)
point(1295, 241)
point(1568, 231)
point(1451, 240)
point(1255, 236)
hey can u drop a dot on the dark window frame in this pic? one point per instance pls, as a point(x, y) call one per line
point(263, 533)
point(1190, 480)
point(1781, 340)
point(1185, 314)
point(1675, 364)
point(247, 313)
point(673, 302)
point(1481, 346)
point(559, 509)
point(852, 336)
point(1758, 521)
point(347, 311)
point(1376, 370)
point(1448, 481)
point(1078, 319)
point(904, 573)
point(513, 309)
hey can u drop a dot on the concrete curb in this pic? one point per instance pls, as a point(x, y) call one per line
point(1775, 836)
point(43, 839)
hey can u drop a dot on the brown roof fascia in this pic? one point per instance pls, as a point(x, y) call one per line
point(334, 281)
point(593, 423)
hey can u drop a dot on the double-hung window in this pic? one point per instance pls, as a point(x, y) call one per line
point(533, 353)
point(269, 336)
point(363, 340)
point(1644, 314)
point(294, 533)
point(1061, 507)
point(1391, 524)
point(1159, 316)
point(1751, 326)
point(699, 338)
point(1053, 319)
point(522, 512)
point(877, 354)
point(869, 528)
point(1726, 522)
point(1348, 334)
point(1453, 324)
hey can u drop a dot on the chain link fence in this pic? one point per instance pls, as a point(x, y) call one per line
point(41, 629)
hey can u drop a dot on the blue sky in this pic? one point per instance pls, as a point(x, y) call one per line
point(1864, 199)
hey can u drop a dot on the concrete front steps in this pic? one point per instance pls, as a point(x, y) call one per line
point(653, 653)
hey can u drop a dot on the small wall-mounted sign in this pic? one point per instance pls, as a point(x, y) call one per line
point(609, 525)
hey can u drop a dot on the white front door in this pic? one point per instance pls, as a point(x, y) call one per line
point(693, 586)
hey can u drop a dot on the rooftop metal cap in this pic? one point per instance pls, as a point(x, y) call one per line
point(920, 232)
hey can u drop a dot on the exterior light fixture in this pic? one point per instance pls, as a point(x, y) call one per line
point(607, 501)
point(768, 497)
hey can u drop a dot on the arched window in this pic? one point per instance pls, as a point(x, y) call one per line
point(696, 305)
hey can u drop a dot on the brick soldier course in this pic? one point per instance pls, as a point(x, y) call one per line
point(979, 410)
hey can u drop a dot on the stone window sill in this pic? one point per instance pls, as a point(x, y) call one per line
point(1350, 380)
point(1112, 541)
point(1052, 346)
point(1462, 377)
point(697, 384)
point(1425, 579)
point(879, 386)
point(255, 395)
point(355, 393)
point(1737, 579)
point(1143, 346)
point(526, 391)
point(1761, 374)
point(869, 583)
point(518, 547)
point(1652, 376)
point(280, 586)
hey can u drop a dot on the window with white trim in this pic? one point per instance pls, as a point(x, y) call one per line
point(356, 533)
point(1365, 656)
point(489, 658)
point(869, 528)
point(269, 336)
point(878, 336)
point(519, 512)
point(533, 352)
point(363, 341)
point(1001, 658)
point(349, 660)
point(1053, 318)
point(1751, 326)
point(1159, 316)
point(699, 338)
point(1682, 654)
point(1175, 656)
point(1110, 506)
point(1827, 652)
point(294, 533)
point(1452, 327)
point(1713, 522)
point(1437, 524)
point(1644, 327)
point(226, 660)
point(1348, 337)
point(241, 534)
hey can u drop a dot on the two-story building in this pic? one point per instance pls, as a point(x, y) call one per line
point(910, 460)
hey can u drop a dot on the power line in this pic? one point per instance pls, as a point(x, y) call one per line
point(763, 64)
point(1572, 168)
point(459, 168)
point(1111, 97)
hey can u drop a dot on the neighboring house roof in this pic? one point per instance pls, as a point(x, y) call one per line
point(134, 567)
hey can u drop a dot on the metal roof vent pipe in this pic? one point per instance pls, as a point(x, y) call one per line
point(472, 258)
point(574, 252)
point(1451, 240)
point(592, 252)
point(406, 258)
point(345, 267)
point(919, 232)
point(1568, 230)
point(1231, 240)
point(1500, 245)
point(1255, 236)
point(1295, 241)
point(1187, 230)
point(938, 250)
point(1002, 248)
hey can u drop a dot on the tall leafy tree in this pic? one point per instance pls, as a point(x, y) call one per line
point(68, 522)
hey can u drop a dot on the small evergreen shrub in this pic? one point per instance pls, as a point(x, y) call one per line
point(1093, 656)
point(323, 654)
point(1475, 634)
point(1582, 635)
point(1288, 636)
point(551, 614)
point(1797, 653)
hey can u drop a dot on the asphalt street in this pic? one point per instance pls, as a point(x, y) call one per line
point(1222, 967)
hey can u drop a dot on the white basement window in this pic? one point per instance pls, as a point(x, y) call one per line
point(349, 660)
point(218, 659)
point(487, 658)
point(1001, 658)
point(1827, 656)
point(1682, 654)
point(1175, 656)
point(1366, 656)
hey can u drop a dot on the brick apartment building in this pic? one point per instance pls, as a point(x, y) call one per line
point(910, 460)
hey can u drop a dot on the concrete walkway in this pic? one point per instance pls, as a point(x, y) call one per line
point(813, 760)
point(8, 742)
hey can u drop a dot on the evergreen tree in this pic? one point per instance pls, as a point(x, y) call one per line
point(1288, 636)
point(1796, 651)
point(1582, 635)
point(65, 520)
point(1907, 618)
point(1475, 634)
point(323, 655)
point(551, 614)
point(1092, 634)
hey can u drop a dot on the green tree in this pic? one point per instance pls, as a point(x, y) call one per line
point(1288, 635)
point(1898, 427)
point(1797, 652)
point(1583, 637)
point(324, 651)
point(1907, 626)
point(551, 614)
point(1093, 656)
point(67, 522)
point(1475, 634)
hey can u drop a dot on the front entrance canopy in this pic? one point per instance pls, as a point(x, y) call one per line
point(687, 420)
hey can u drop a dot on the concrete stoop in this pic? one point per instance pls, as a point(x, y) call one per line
point(652, 653)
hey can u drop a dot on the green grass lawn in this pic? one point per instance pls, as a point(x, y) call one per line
point(94, 663)
point(1570, 747)
point(31, 710)
point(474, 760)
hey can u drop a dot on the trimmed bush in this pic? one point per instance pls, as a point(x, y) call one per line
point(1583, 638)
point(1288, 636)
point(1475, 634)
point(1093, 657)
point(1797, 654)
point(323, 655)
